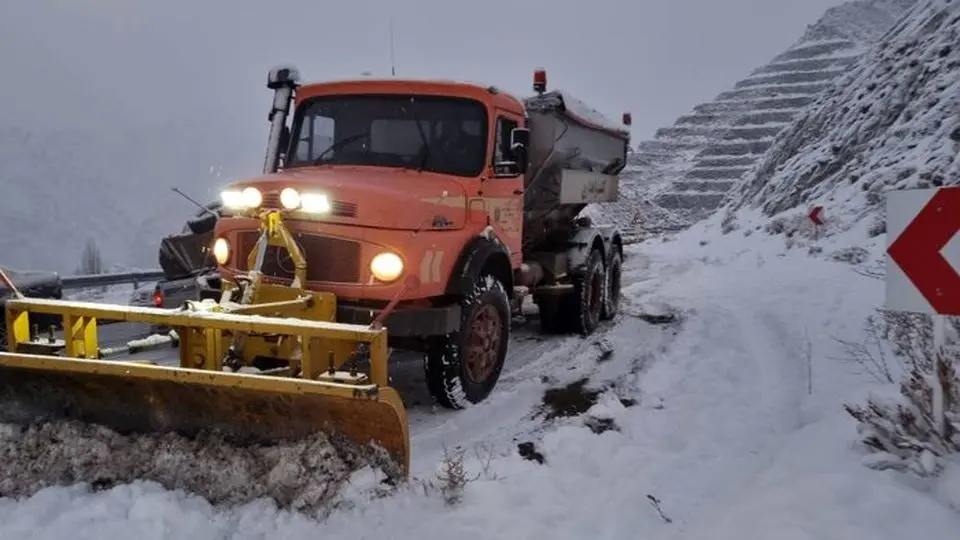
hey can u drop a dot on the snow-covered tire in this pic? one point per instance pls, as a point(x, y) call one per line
point(611, 300)
point(455, 377)
point(589, 294)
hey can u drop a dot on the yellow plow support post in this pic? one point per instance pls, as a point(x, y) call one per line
point(132, 396)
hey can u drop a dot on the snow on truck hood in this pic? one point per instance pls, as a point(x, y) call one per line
point(385, 198)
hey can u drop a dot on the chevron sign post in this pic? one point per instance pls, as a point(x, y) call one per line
point(922, 267)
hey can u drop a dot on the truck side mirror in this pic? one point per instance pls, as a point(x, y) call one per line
point(519, 145)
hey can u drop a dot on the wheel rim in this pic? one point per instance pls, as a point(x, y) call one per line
point(614, 288)
point(596, 295)
point(483, 345)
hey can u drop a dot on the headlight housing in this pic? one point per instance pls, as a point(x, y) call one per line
point(386, 266)
point(314, 203)
point(310, 203)
point(290, 198)
point(221, 250)
point(249, 197)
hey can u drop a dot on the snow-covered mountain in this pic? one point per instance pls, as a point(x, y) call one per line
point(690, 168)
point(64, 187)
point(892, 122)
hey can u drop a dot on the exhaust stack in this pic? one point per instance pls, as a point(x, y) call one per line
point(283, 80)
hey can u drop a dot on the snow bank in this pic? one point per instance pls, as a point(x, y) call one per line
point(303, 476)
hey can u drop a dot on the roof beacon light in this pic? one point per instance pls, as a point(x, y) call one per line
point(627, 119)
point(540, 80)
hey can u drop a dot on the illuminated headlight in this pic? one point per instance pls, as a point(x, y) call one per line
point(250, 197)
point(314, 203)
point(232, 199)
point(290, 198)
point(221, 250)
point(386, 266)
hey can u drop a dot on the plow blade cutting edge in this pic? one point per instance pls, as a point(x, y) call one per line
point(237, 409)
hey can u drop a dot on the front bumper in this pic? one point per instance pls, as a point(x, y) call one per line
point(406, 321)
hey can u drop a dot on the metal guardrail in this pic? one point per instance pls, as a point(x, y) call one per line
point(105, 280)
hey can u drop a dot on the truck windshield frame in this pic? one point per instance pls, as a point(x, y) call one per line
point(380, 130)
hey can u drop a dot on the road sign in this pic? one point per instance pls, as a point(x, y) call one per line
point(924, 250)
point(814, 215)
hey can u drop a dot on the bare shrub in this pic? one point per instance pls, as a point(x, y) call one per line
point(729, 223)
point(452, 476)
point(894, 342)
point(910, 433)
point(877, 227)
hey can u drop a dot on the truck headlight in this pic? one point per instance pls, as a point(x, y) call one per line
point(290, 198)
point(314, 203)
point(221, 251)
point(250, 197)
point(232, 199)
point(386, 266)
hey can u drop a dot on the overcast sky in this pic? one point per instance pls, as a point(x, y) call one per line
point(127, 62)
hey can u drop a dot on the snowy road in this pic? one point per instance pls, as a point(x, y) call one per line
point(715, 416)
point(532, 364)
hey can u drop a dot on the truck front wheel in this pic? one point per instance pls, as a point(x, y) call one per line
point(464, 367)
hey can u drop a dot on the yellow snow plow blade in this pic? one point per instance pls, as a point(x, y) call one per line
point(304, 391)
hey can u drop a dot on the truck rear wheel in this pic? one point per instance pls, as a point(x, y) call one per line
point(589, 294)
point(611, 301)
point(580, 310)
point(464, 367)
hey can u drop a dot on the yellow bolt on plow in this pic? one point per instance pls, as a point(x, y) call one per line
point(250, 376)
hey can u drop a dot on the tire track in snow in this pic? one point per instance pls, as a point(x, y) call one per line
point(732, 384)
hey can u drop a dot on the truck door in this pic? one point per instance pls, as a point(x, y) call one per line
point(503, 189)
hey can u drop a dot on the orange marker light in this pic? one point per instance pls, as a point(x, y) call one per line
point(540, 80)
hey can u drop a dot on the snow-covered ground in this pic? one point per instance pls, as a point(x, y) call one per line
point(115, 294)
point(730, 417)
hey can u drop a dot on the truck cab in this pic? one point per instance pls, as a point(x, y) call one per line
point(413, 191)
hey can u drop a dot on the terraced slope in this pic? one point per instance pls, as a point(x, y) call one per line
point(689, 168)
point(739, 126)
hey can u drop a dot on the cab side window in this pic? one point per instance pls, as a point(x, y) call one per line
point(316, 135)
point(501, 149)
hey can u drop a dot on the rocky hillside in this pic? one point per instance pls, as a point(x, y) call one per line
point(689, 169)
point(893, 122)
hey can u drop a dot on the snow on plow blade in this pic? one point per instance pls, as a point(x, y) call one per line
point(274, 432)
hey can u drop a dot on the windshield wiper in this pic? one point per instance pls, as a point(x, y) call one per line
point(423, 139)
point(338, 144)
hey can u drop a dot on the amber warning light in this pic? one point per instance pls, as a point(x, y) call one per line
point(540, 80)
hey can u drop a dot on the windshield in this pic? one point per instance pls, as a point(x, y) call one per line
point(383, 131)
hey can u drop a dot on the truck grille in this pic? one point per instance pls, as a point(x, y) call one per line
point(271, 199)
point(328, 259)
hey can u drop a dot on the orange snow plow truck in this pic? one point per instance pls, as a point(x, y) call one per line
point(405, 214)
